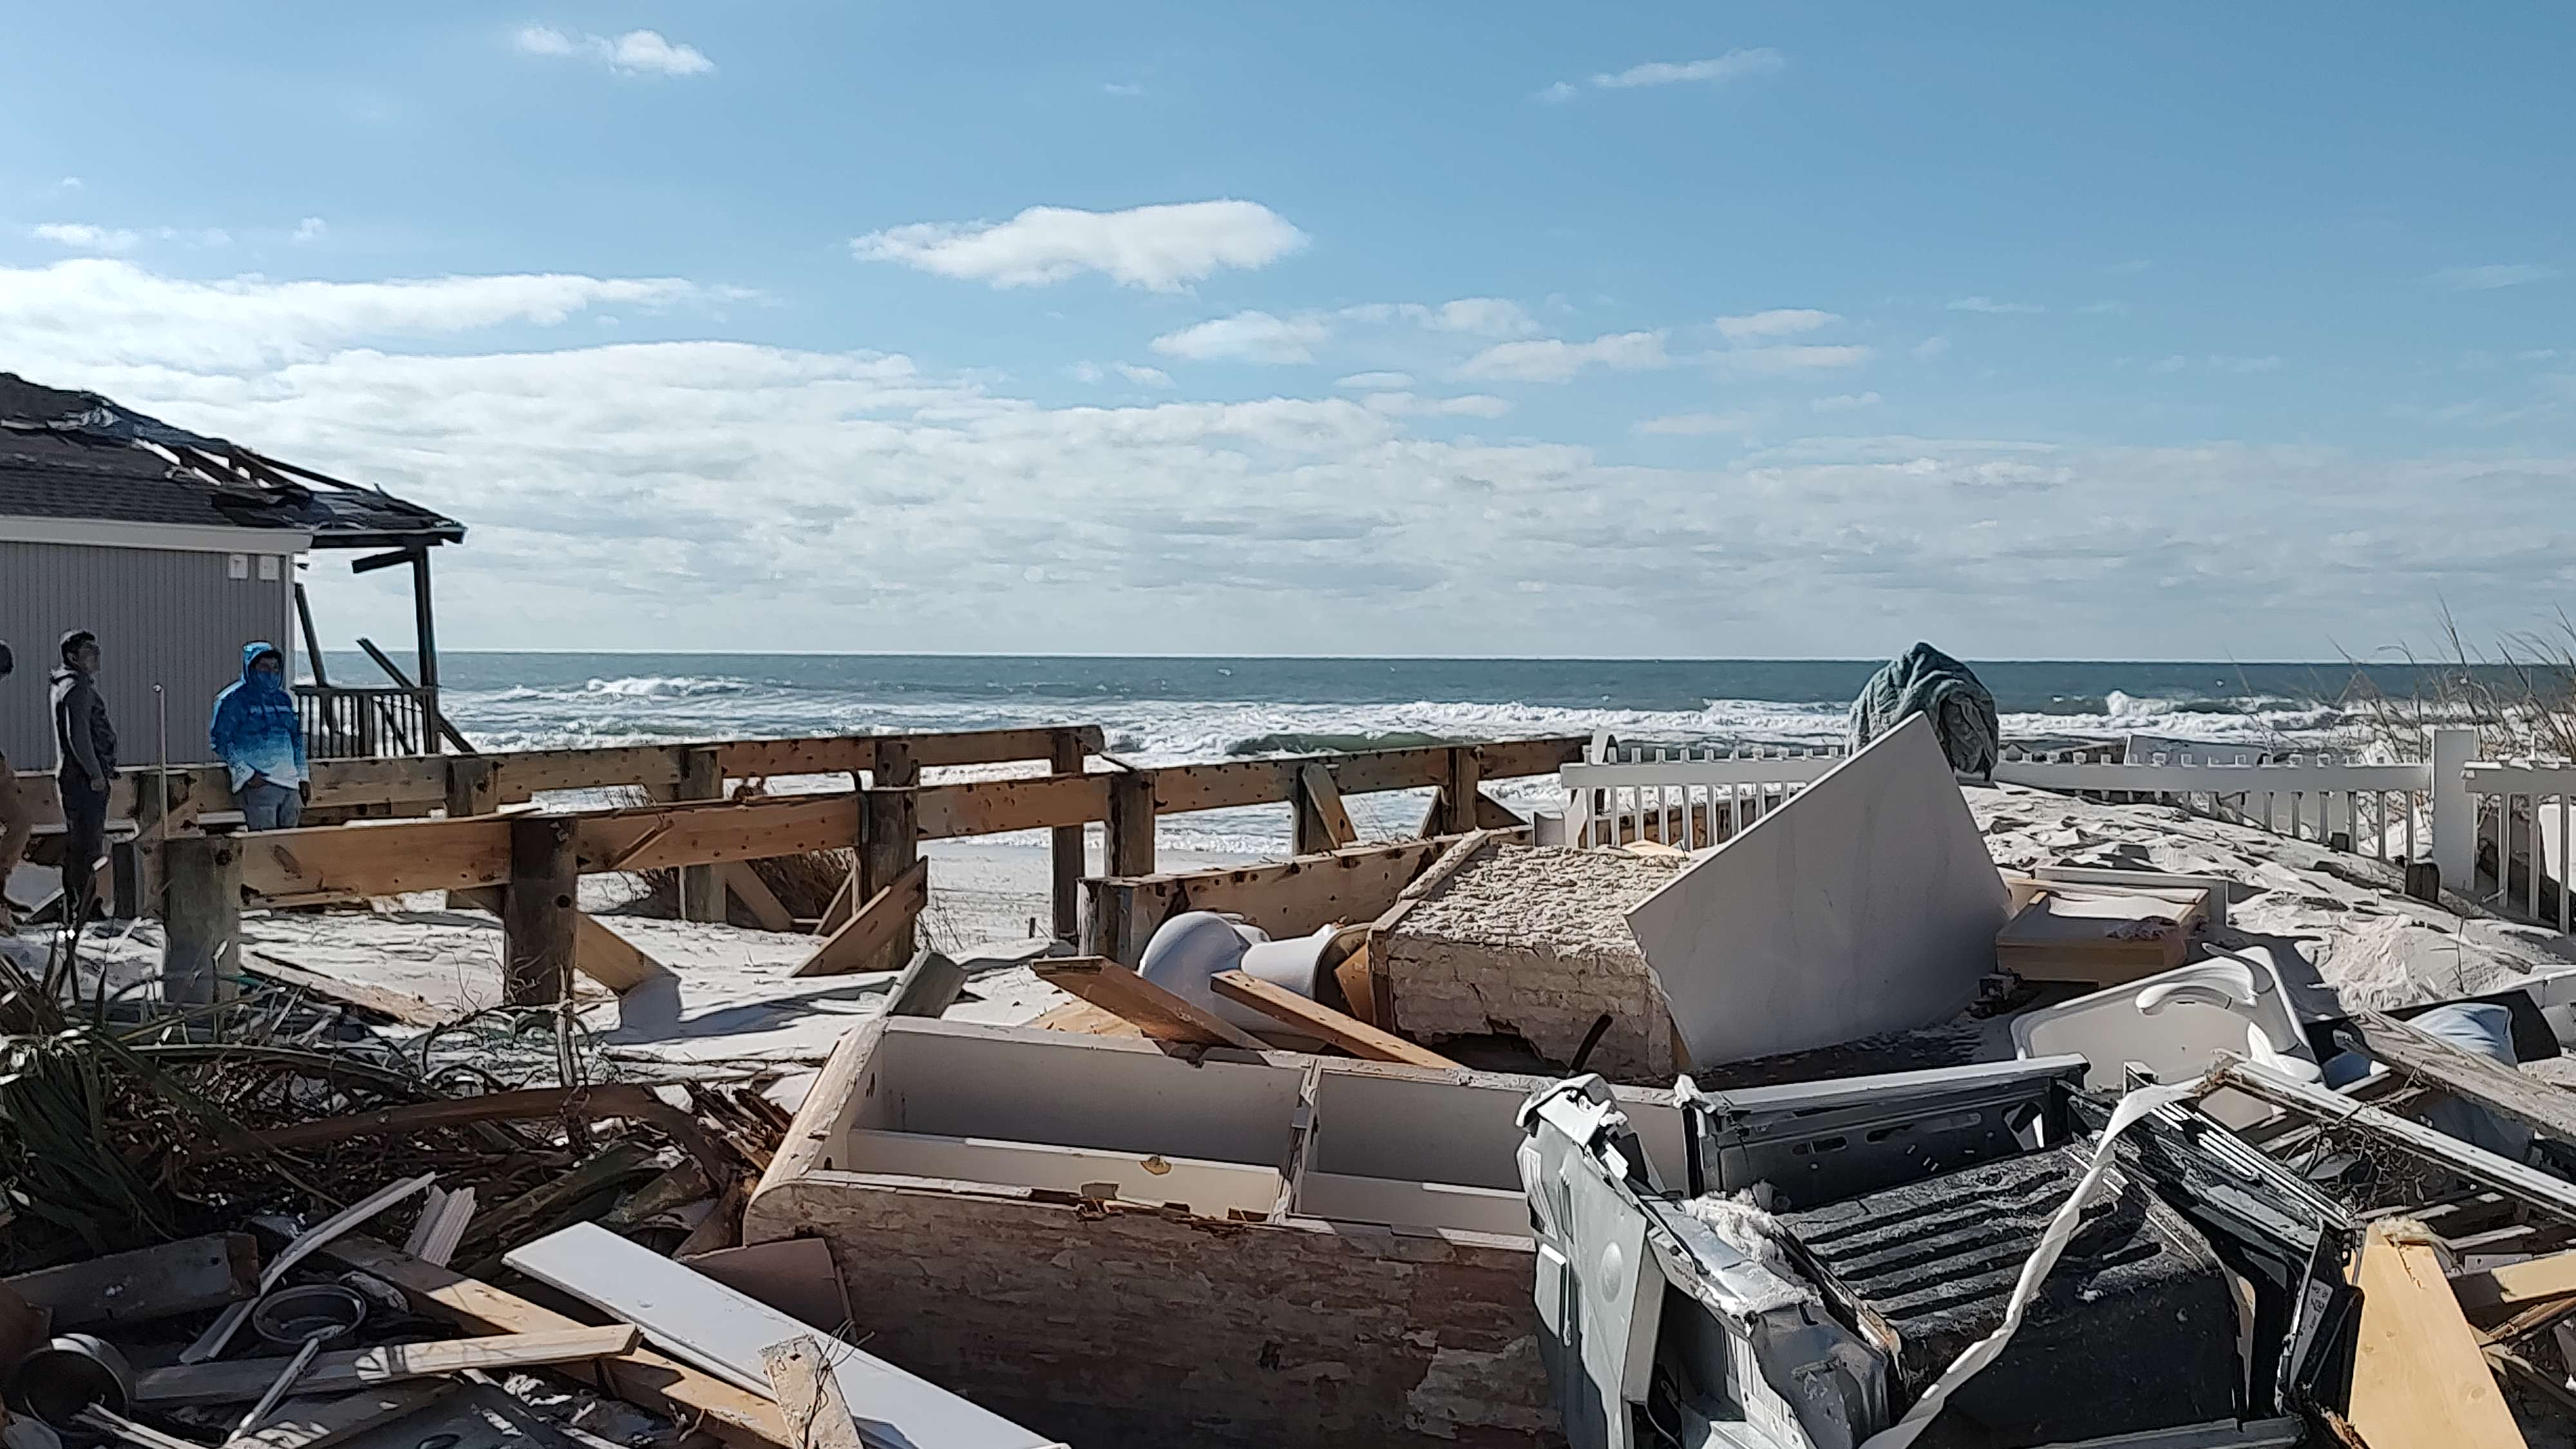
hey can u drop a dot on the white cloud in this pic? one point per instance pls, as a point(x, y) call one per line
point(1844, 402)
point(311, 229)
point(1087, 372)
point(1773, 361)
point(80, 236)
point(637, 52)
point(1162, 248)
point(1692, 425)
point(1778, 322)
point(1247, 337)
point(98, 311)
point(1932, 347)
point(68, 183)
point(1727, 67)
point(1144, 376)
point(1405, 404)
point(1374, 381)
point(2488, 278)
point(2169, 364)
point(1556, 94)
point(1482, 317)
point(1554, 360)
point(1989, 304)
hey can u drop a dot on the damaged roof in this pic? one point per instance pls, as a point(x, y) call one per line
point(77, 455)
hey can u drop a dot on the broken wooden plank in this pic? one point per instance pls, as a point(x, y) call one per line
point(928, 986)
point(321, 1423)
point(2468, 1076)
point(767, 911)
point(1313, 1018)
point(640, 1376)
point(609, 958)
point(809, 1396)
point(188, 1276)
point(1156, 1012)
point(2419, 1380)
point(723, 1332)
point(2516, 1298)
point(836, 911)
point(1081, 1018)
point(239, 1380)
point(887, 915)
point(399, 1006)
point(1321, 799)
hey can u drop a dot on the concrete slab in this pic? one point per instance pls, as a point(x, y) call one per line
point(1867, 904)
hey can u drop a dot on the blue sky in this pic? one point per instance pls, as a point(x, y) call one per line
point(1754, 330)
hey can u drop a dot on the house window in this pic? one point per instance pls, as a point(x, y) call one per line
point(268, 568)
point(237, 566)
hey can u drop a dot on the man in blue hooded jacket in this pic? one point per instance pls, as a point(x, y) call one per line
point(260, 738)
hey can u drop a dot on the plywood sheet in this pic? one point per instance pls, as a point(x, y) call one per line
point(1866, 904)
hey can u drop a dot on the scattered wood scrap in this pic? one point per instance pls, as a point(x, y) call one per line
point(2488, 1083)
point(609, 958)
point(928, 986)
point(873, 926)
point(188, 1276)
point(610, 1099)
point(745, 883)
point(2419, 1380)
point(1320, 796)
point(239, 1380)
point(400, 1006)
point(1316, 1019)
point(1158, 1013)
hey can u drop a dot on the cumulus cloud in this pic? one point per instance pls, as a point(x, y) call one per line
point(311, 229)
point(1160, 248)
point(637, 52)
point(1553, 359)
point(2488, 278)
point(1556, 94)
point(1775, 361)
point(1989, 304)
point(1778, 322)
point(1374, 381)
point(1733, 65)
point(1144, 376)
point(1931, 347)
point(1692, 425)
point(1247, 337)
point(80, 236)
point(724, 494)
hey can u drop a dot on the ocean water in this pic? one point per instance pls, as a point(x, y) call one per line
point(1162, 710)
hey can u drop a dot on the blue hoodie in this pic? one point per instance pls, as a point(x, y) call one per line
point(256, 730)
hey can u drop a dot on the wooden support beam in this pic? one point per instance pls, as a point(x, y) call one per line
point(540, 915)
point(702, 896)
point(473, 788)
point(836, 912)
point(744, 884)
point(1131, 823)
point(201, 918)
point(610, 959)
point(1157, 1012)
point(1322, 822)
point(639, 1376)
point(889, 852)
point(887, 918)
point(1461, 783)
point(1066, 850)
point(1313, 1018)
point(2419, 1380)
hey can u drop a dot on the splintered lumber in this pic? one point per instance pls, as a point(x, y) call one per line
point(876, 925)
point(928, 986)
point(639, 1376)
point(2419, 1380)
point(2509, 1301)
point(399, 1006)
point(187, 1276)
point(609, 958)
point(707, 1324)
point(1156, 1012)
point(240, 1379)
point(809, 1396)
point(2468, 1076)
point(1316, 1019)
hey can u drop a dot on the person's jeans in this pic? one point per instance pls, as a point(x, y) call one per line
point(84, 841)
point(271, 807)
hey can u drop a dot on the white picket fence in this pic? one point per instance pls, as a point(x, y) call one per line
point(1693, 796)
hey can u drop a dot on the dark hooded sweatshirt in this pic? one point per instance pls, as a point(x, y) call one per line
point(84, 741)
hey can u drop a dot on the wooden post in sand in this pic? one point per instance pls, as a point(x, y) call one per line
point(702, 894)
point(1458, 788)
point(889, 841)
point(200, 918)
point(1065, 755)
point(473, 788)
point(540, 919)
point(1131, 823)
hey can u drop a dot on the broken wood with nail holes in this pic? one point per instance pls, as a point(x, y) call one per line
point(1313, 1018)
point(238, 1380)
point(1157, 1013)
point(877, 924)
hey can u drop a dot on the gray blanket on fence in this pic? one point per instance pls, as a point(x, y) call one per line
point(1923, 680)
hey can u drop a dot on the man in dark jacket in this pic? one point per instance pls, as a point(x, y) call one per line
point(85, 746)
point(17, 820)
